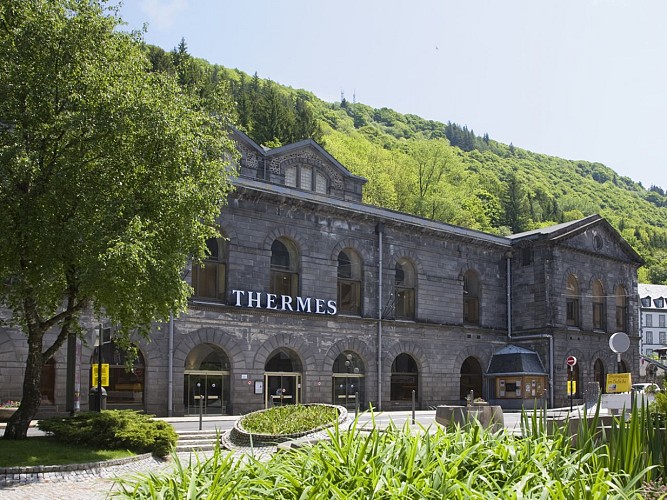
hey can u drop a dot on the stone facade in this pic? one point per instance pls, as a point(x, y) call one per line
point(301, 196)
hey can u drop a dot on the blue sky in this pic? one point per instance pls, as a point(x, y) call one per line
point(578, 79)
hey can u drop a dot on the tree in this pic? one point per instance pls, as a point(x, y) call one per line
point(514, 203)
point(111, 178)
point(437, 167)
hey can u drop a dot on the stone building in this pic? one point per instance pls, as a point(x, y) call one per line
point(309, 295)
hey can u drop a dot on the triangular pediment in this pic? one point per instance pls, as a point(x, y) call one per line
point(308, 152)
point(304, 165)
point(592, 234)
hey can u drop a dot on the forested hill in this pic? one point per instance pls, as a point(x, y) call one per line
point(442, 171)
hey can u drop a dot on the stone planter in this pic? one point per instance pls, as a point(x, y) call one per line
point(238, 436)
point(6, 413)
point(488, 415)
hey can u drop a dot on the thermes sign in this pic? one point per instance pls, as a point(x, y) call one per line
point(260, 300)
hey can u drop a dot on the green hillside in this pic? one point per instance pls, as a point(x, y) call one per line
point(442, 171)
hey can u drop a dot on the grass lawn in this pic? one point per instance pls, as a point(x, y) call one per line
point(47, 451)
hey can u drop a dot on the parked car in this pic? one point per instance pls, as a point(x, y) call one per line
point(646, 387)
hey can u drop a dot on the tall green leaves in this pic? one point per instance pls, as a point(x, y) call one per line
point(462, 463)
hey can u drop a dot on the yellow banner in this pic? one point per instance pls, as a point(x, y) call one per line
point(619, 382)
point(105, 375)
point(571, 387)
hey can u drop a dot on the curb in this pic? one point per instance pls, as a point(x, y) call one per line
point(90, 466)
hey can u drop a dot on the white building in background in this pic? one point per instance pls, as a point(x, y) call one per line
point(653, 322)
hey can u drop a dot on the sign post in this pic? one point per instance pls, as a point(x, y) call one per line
point(571, 361)
point(619, 342)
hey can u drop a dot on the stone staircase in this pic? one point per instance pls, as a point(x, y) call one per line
point(196, 440)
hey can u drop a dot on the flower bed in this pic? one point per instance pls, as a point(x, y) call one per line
point(242, 437)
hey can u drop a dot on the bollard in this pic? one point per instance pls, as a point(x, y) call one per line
point(201, 406)
point(413, 406)
point(356, 404)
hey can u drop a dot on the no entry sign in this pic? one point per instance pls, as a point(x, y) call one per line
point(571, 361)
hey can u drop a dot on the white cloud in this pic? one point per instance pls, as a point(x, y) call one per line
point(161, 14)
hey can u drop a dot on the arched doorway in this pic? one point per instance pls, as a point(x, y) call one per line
point(471, 378)
point(598, 374)
point(282, 379)
point(207, 381)
point(126, 388)
point(348, 380)
point(404, 378)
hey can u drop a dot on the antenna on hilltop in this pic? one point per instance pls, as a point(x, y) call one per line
point(354, 107)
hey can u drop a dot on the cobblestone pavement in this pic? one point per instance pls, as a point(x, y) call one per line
point(97, 483)
point(93, 484)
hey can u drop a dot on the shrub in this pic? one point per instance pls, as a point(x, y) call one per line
point(114, 429)
point(659, 405)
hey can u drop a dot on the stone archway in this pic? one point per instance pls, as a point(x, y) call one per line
point(207, 381)
point(472, 378)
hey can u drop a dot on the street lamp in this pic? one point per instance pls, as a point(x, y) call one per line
point(100, 342)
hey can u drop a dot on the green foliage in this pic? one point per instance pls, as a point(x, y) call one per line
point(459, 463)
point(635, 446)
point(112, 177)
point(659, 405)
point(289, 419)
point(113, 429)
point(525, 190)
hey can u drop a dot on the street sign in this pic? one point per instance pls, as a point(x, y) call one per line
point(571, 361)
point(105, 375)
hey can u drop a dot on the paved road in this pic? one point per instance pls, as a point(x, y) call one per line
point(97, 485)
point(425, 418)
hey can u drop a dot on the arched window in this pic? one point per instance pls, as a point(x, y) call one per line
point(572, 301)
point(404, 378)
point(599, 309)
point(621, 309)
point(404, 290)
point(349, 282)
point(471, 297)
point(209, 279)
point(284, 262)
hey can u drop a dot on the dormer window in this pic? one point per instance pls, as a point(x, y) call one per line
point(646, 301)
point(659, 302)
point(306, 177)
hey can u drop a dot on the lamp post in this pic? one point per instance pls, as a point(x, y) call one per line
point(100, 342)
